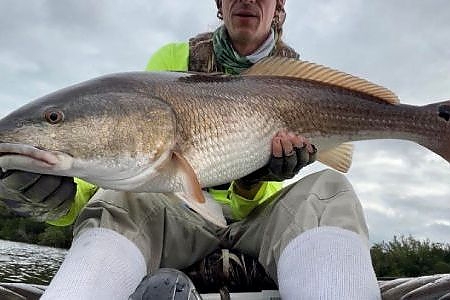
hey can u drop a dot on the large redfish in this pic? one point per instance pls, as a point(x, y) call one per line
point(178, 132)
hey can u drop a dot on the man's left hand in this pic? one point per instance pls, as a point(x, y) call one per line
point(290, 153)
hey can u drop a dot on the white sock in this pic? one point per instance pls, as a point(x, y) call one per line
point(101, 264)
point(327, 263)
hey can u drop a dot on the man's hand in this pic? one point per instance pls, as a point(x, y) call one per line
point(290, 153)
point(42, 197)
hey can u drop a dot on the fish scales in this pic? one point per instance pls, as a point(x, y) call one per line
point(239, 117)
point(232, 132)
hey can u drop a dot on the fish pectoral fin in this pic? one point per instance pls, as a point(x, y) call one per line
point(191, 185)
point(339, 158)
point(305, 70)
point(210, 210)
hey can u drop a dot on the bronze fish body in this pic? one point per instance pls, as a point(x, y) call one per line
point(177, 132)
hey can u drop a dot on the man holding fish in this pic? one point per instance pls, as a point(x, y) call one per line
point(311, 237)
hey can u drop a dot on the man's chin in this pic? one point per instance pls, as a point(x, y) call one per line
point(243, 34)
point(247, 37)
point(244, 29)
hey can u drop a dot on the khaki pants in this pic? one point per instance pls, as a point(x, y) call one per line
point(170, 235)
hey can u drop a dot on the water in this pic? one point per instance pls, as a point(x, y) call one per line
point(28, 263)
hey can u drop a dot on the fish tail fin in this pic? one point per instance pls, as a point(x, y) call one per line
point(439, 142)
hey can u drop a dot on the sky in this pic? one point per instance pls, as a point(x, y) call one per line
point(403, 45)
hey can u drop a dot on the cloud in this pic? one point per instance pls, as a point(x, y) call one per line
point(400, 45)
point(403, 187)
point(49, 45)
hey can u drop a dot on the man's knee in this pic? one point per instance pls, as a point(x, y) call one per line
point(327, 184)
point(122, 212)
point(325, 198)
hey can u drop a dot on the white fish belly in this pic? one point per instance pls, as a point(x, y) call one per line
point(221, 159)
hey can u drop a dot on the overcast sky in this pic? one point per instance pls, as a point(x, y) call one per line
point(401, 44)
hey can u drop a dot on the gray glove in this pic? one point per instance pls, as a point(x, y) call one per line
point(281, 168)
point(41, 197)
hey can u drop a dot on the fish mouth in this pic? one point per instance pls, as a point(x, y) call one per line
point(32, 159)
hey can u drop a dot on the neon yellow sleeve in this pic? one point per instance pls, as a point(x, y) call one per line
point(171, 57)
point(85, 191)
point(240, 206)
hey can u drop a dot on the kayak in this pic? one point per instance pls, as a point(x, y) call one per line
point(414, 288)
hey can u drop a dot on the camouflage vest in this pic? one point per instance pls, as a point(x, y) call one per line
point(202, 58)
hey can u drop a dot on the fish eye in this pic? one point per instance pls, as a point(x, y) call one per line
point(53, 116)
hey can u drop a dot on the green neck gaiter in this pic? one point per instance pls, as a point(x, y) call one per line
point(231, 61)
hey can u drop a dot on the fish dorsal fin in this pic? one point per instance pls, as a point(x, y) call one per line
point(339, 158)
point(190, 182)
point(289, 67)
